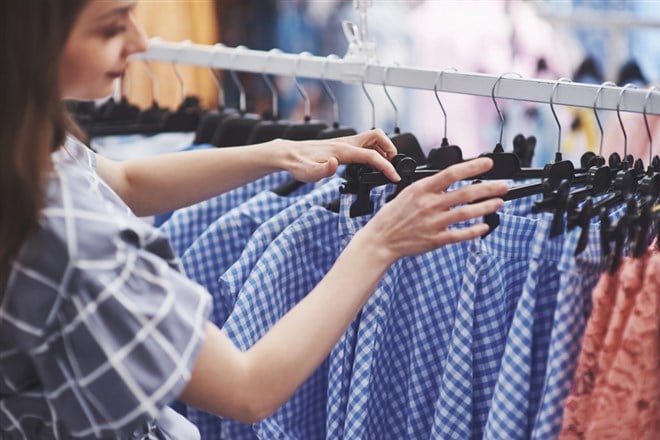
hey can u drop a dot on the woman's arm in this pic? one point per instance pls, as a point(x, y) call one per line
point(251, 385)
point(163, 183)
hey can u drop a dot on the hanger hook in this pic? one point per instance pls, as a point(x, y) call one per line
point(437, 98)
point(499, 112)
point(152, 80)
point(303, 93)
point(646, 122)
point(600, 126)
point(328, 91)
point(554, 114)
point(397, 130)
point(271, 86)
point(371, 101)
point(221, 95)
point(237, 81)
point(176, 69)
point(618, 115)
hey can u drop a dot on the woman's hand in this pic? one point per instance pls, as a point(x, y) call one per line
point(310, 161)
point(417, 220)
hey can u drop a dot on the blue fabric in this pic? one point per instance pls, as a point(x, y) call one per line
point(159, 219)
point(188, 223)
point(579, 276)
point(289, 269)
point(402, 344)
point(341, 357)
point(232, 280)
point(494, 277)
point(222, 246)
point(522, 371)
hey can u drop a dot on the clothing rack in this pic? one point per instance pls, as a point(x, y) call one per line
point(616, 23)
point(349, 71)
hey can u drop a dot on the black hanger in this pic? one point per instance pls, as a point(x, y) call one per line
point(155, 114)
point(235, 129)
point(445, 155)
point(309, 128)
point(336, 129)
point(212, 119)
point(648, 191)
point(186, 117)
point(405, 143)
point(122, 117)
point(599, 181)
point(271, 126)
point(625, 185)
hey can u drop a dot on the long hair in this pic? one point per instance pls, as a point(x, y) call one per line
point(33, 121)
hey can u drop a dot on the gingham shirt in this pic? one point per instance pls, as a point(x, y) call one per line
point(220, 246)
point(522, 371)
point(289, 269)
point(579, 277)
point(402, 345)
point(494, 277)
point(187, 224)
point(341, 357)
point(98, 328)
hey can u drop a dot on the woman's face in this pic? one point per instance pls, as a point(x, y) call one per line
point(96, 53)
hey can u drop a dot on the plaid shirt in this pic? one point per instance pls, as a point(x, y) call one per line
point(98, 328)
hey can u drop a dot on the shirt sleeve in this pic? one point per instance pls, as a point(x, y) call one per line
point(123, 339)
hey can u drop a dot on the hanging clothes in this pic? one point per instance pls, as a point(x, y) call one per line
point(596, 381)
point(579, 275)
point(287, 271)
point(187, 224)
point(495, 274)
point(520, 380)
point(238, 239)
point(627, 400)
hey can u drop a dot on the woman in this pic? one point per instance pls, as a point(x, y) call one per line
point(99, 331)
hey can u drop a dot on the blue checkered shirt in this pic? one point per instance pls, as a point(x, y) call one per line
point(288, 270)
point(341, 357)
point(220, 247)
point(522, 371)
point(99, 330)
point(579, 277)
point(494, 277)
point(392, 364)
point(402, 346)
point(232, 280)
point(187, 224)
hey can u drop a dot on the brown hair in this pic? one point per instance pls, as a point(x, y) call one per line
point(33, 121)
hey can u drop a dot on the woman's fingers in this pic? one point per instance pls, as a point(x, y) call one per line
point(465, 170)
point(376, 139)
point(462, 234)
point(371, 157)
point(470, 193)
point(468, 212)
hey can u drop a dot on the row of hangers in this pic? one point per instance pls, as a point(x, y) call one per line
point(615, 181)
point(575, 196)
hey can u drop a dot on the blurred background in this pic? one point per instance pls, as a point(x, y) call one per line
point(587, 40)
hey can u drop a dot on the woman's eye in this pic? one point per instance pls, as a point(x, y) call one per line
point(113, 31)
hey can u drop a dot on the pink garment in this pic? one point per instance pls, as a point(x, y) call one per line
point(630, 283)
point(576, 406)
point(628, 405)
